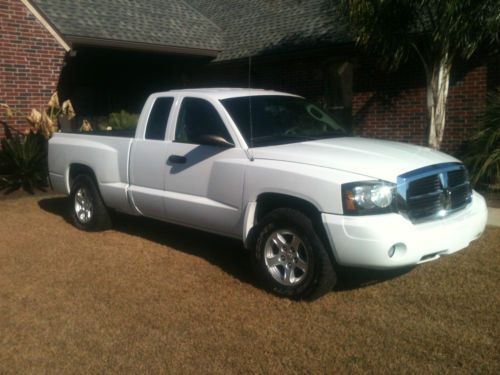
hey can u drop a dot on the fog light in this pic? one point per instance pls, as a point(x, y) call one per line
point(399, 248)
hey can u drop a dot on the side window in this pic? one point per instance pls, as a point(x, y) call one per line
point(198, 118)
point(158, 118)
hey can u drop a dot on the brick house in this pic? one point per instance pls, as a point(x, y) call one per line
point(109, 55)
point(31, 57)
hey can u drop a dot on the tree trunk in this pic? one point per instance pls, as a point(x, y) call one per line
point(437, 94)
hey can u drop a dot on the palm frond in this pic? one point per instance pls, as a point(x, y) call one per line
point(482, 155)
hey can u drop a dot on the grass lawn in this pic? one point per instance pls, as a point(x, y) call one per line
point(151, 297)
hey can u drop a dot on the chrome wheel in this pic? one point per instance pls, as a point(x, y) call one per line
point(286, 257)
point(84, 209)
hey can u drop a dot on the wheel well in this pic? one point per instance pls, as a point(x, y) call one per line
point(268, 202)
point(76, 170)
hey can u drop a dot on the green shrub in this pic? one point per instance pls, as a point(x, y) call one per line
point(122, 120)
point(482, 155)
point(23, 163)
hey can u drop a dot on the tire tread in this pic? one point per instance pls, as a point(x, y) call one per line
point(324, 276)
point(102, 218)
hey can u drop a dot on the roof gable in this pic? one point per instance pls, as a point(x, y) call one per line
point(168, 23)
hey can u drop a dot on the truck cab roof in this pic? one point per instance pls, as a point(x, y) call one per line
point(221, 93)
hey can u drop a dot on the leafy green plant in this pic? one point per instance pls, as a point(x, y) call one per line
point(23, 163)
point(482, 155)
point(122, 120)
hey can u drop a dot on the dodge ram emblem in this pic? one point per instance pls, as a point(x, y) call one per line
point(446, 199)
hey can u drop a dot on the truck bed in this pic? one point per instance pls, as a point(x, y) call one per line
point(108, 154)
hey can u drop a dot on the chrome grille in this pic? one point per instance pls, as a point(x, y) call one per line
point(433, 192)
point(457, 177)
point(424, 186)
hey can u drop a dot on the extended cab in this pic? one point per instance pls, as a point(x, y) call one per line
point(280, 174)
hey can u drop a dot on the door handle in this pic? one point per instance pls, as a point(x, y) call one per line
point(176, 159)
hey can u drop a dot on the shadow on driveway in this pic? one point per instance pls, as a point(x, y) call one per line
point(226, 253)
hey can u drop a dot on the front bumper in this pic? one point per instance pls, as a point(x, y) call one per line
point(366, 241)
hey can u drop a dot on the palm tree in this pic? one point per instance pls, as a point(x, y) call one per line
point(437, 31)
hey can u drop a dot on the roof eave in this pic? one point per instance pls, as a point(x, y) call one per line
point(77, 40)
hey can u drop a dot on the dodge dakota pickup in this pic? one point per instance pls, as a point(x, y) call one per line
point(280, 174)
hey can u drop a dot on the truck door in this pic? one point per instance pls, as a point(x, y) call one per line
point(147, 161)
point(204, 182)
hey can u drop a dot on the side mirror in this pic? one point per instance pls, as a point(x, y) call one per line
point(214, 140)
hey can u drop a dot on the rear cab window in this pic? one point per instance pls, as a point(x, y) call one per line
point(156, 126)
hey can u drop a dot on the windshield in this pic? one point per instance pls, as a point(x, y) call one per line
point(280, 119)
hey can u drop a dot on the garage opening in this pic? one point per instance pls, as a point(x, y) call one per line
point(101, 81)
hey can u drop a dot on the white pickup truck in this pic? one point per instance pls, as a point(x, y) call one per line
point(280, 174)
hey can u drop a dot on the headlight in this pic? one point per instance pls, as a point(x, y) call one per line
point(366, 198)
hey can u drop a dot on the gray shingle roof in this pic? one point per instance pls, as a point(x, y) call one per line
point(169, 23)
point(253, 27)
point(236, 28)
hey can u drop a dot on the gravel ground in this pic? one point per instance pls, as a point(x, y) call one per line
point(157, 298)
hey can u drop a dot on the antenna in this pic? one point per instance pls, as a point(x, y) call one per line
point(250, 99)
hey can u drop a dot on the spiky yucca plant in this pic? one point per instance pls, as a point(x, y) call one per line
point(23, 156)
point(23, 159)
point(482, 155)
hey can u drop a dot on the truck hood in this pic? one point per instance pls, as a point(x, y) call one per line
point(372, 158)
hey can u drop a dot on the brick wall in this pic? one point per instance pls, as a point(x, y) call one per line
point(393, 106)
point(301, 76)
point(466, 103)
point(30, 61)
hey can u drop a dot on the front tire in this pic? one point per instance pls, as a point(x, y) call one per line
point(88, 211)
point(290, 259)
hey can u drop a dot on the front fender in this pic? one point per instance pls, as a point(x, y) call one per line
point(322, 187)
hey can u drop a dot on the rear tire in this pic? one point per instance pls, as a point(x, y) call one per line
point(88, 211)
point(289, 257)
